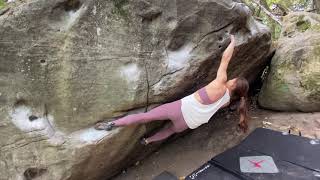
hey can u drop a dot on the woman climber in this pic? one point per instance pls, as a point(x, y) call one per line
point(195, 109)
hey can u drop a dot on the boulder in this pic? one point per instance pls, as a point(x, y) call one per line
point(66, 64)
point(293, 83)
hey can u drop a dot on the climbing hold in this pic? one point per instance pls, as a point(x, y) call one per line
point(33, 117)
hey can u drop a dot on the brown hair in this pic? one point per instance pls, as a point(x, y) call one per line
point(242, 88)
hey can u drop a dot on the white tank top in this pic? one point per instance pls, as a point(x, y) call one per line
point(196, 113)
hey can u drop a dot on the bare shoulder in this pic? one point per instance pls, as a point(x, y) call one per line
point(216, 84)
point(216, 89)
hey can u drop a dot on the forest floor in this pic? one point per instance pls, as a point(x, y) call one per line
point(182, 155)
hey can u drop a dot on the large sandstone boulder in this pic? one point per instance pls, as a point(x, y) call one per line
point(65, 64)
point(293, 83)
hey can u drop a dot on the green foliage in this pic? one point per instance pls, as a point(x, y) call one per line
point(274, 6)
point(2, 4)
point(294, 5)
point(276, 32)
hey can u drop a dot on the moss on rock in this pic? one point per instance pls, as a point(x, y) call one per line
point(315, 27)
point(302, 25)
point(312, 85)
point(2, 4)
point(293, 83)
point(119, 7)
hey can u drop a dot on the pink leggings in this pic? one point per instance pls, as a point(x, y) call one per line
point(170, 111)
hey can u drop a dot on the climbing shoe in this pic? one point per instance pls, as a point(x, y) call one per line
point(143, 141)
point(108, 126)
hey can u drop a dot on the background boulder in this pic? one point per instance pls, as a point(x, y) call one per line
point(65, 64)
point(293, 83)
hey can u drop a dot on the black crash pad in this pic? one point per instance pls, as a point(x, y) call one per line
point(165, 176)
point(297, 158)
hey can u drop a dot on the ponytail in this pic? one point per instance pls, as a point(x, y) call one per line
point(242, 88)
point(243, 111)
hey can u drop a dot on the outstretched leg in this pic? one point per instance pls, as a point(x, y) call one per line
point(162, 134)
point(169, 111)
point(158, 113)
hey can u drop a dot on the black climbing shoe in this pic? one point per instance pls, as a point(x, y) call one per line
point(143, 141)
point(108, 126)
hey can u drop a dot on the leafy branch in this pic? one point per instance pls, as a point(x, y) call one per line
point(268, 13)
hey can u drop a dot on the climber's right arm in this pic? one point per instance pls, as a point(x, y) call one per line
point(226, 57)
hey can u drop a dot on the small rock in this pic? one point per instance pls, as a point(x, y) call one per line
point(315, 141)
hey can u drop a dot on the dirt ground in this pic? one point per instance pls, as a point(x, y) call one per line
point(184, 154)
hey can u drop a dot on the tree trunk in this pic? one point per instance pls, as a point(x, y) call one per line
point(264, 4)
point(316, 4)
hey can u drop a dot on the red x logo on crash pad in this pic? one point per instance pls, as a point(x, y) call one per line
point(256, 164)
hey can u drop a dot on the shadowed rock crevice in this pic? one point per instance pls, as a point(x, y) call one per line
point(65, 14)
point(68, 5)
point(148, 85)
point(33, 173)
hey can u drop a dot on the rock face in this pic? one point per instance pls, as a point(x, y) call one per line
point(65, 64)
point(293, 83)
